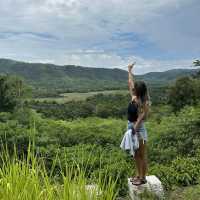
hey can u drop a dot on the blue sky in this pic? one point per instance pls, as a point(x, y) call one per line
point(158, 35)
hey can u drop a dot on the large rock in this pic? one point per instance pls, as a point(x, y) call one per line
point(153, 186)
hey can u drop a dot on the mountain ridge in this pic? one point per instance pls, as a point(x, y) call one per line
point(49, 76)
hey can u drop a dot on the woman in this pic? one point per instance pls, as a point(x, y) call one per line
point(139, 100)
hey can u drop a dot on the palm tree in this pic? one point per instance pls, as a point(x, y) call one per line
point(196, 63)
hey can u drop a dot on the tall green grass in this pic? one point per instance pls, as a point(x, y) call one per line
point(26, 178)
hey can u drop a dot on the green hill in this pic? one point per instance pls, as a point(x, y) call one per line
point(76, 78)
point(68, 77)
point(166, 77)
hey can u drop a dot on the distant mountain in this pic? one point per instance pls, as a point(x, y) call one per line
point(166, 77)
point(77, 78)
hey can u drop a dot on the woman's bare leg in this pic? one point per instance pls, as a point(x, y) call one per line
point(141, 163)
point(137, 162)
point(143, 159)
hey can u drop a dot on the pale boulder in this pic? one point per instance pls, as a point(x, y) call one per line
point(153, 186)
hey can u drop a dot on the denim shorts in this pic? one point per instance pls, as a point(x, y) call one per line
point(142, 132)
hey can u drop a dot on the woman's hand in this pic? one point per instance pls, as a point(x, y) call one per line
point(136, 127)
point(130, 66)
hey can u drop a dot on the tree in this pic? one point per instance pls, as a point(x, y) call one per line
point(196, 63)
point(12, 92)
point(184, 92)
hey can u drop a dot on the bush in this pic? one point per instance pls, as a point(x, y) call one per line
point(175, 135)
point(186, 171)
point(96, 162)
point(186, 91)
point(181, 172)
point(92, 144)
point(12, 90)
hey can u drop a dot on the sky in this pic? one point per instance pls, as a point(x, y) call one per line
point(157, 34)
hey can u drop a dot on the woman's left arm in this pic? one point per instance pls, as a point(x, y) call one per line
point(142, 116)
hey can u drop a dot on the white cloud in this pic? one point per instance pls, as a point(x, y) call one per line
point(90, 32)
point(113, 60)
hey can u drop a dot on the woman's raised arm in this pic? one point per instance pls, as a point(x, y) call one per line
point(130, 79)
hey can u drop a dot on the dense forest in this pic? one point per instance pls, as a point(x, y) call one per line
point(77, 142)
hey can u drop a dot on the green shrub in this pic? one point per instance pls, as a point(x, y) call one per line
point(92, 144)
point(94, 161)
point(185, 92)
point(186, 171)
point(164, 173)
point(181, 172)
point(175, 135)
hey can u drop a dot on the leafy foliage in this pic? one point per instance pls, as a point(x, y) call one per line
point(181, 172)
point(186, 91)
point(93, 144)
point(175, 135)
point(185, 193)
point(12, 90)
point(100, 105)
point(196, 63)
point(96, 138)
point(84, 140)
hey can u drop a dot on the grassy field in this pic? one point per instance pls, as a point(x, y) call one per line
point(76, 96)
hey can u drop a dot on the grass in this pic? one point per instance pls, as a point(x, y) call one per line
point(27, 179)
point(76, 96)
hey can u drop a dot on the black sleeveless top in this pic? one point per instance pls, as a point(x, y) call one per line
point(132, 111)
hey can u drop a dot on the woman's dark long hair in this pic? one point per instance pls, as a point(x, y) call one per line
point(141, 91)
